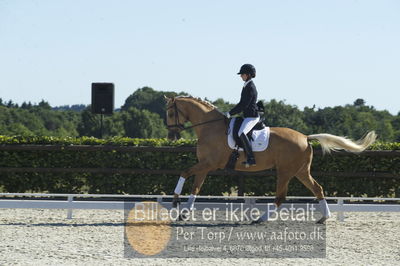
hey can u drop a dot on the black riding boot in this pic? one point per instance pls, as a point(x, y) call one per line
point(248, 150)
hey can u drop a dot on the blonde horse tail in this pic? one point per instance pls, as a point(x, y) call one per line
point(331, 142)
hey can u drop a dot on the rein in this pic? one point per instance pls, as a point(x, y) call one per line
point(180, 125)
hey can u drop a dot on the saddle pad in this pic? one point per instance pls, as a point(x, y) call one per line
point(260, 138)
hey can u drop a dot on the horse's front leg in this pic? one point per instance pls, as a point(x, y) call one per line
point(194, 170)
point(198, 182)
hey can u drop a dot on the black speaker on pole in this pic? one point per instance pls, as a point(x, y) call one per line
point(103, 98)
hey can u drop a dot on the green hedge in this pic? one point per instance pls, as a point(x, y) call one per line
point(149, 184)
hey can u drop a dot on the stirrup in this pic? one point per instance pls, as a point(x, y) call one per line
point(249, 162)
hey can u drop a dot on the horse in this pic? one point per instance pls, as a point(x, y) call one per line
point(289, 151)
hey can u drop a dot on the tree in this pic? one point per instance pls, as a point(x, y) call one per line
point(223, 105)
point(143, 124)
point(74, 107)
point(143, 116)
point(359, 102)
point(44, 105)
point(19, 129)
point(147, 98)
point(90, 124)
point(396, 127)
point(279, 114)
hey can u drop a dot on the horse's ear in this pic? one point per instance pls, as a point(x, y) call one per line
point(167, 100)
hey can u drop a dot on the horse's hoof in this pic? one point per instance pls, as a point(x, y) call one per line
point(175, 203)
point(322, 220)
point(182, 217)
point(259, 221)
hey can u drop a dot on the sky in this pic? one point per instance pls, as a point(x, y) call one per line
point(306, 52)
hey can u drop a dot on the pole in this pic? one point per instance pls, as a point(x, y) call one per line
point(101, 126)
point(241, 185)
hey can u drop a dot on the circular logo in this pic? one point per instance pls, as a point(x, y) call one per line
point(148, 228)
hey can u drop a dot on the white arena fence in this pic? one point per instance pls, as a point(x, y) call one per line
point(340, 205)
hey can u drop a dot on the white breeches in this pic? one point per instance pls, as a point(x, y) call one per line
point(248, 124)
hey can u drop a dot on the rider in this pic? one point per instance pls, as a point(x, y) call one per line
point(248, 106)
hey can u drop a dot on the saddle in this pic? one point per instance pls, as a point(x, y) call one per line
point(236, 126)
point(239, 120)
point(259, 131)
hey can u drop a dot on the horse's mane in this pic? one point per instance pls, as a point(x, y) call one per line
point(205, 103)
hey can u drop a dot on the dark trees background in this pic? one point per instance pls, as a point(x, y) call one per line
point(143, 116)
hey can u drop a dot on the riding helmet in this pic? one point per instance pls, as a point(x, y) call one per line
point(248, 69)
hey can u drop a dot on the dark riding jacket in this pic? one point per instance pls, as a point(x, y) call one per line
point(248, 101)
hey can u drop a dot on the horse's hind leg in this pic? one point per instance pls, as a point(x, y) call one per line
point(282, 183)
point(305, 177)
point(311, 184)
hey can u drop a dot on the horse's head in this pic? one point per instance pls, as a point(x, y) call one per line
point(175, 118)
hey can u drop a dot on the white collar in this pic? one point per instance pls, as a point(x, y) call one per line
point(247, 82)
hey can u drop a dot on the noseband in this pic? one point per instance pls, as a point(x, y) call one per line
point(180, 125)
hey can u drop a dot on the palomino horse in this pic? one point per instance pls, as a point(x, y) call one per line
point(289, 151)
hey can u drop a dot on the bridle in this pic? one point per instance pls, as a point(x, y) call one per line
point(177, 123)
point(182, 126)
